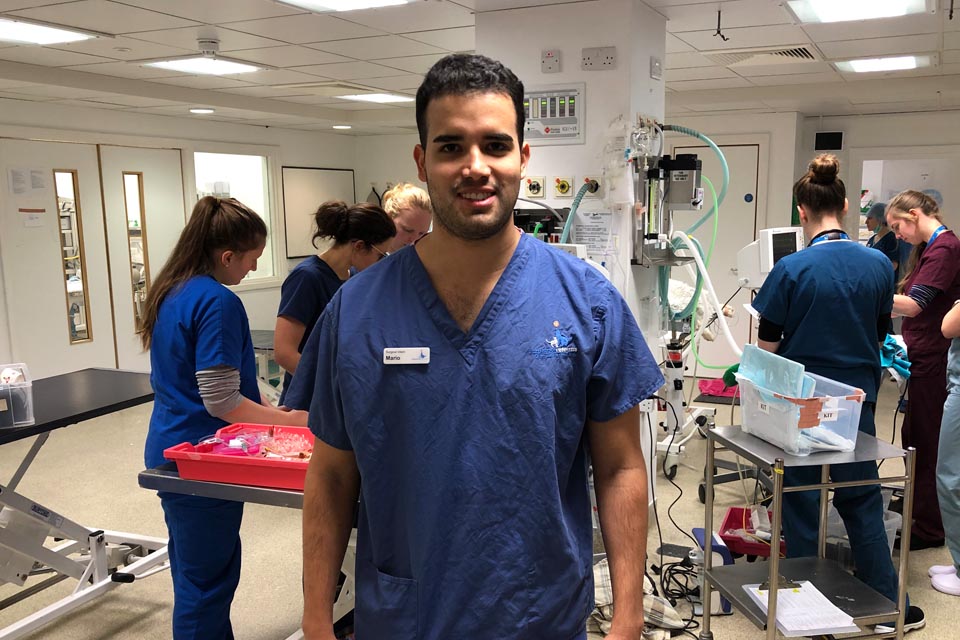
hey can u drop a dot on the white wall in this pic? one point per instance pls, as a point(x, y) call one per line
point(913, 136)
point(41, 121)
point(781, 131)
point(385, 159)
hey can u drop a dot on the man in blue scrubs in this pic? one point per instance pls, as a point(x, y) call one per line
point(472, 415)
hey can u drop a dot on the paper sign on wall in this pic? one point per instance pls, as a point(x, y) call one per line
point(593, 229)
point(26, 181)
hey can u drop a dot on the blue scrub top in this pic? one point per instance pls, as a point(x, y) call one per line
point(888, 245)
point(303, 297)
point(828, 299)
point(201, 324)
point(475, 517)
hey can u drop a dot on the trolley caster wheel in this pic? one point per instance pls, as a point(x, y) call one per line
point(670, 472)
point(751, 557)
point(702, 493)
point(701, 421)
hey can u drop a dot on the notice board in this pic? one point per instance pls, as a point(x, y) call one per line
point(305, 189)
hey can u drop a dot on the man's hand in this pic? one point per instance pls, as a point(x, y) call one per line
point(620, 634)
point(313, 634)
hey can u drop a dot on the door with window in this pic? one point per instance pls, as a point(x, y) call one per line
point(54, 257)
point(143, 200)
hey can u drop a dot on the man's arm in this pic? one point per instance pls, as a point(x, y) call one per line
point(620, 479)
point(329, 497)
point(951, 322)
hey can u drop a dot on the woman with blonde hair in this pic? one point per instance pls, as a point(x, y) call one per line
point(409, 206)
point(924, 296)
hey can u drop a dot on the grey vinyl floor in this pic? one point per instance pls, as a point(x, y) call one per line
point(89, 473)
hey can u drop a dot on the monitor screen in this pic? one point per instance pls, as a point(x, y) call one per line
point(783, 245)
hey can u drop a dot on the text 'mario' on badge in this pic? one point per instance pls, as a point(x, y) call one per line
point(406, 355)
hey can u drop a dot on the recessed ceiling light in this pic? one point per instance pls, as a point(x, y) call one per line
point(202, 111)
point(206, 63)
point(380, 98)
point(26, 32)
point(899, 63)
point(845, 10)
point(343, 5)
point(342, 127)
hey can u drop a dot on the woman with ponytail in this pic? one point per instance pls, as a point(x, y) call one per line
point(828, 308)
point(204, 378)
point(928, 289)
point(362, 234)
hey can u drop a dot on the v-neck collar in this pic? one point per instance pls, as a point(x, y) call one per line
point(468, 343)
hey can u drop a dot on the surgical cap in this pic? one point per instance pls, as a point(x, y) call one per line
point(877, 212)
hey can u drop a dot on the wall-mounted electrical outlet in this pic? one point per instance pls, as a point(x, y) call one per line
point(656, 68)
point(550, 61)
point(598, 58)
point(599, 186)
point(563, 187)
point(534, 187)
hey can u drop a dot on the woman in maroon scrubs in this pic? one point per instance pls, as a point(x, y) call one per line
point(926, 293)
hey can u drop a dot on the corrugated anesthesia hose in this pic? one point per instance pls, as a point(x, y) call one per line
point(723, 165)
point(568, 225)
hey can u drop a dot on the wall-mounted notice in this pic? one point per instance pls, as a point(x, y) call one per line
point(26, 181)
point(594, 230)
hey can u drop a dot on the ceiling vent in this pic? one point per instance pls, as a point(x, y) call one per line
point(799, 54)
point(331, 88)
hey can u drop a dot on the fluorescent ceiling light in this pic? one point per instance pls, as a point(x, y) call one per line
point(342, 127)
point(845, 10)
point(343, 5)
point(15, 30)
point(205, 65)
point(202, 111)
point(899, 63)
point(379, 98)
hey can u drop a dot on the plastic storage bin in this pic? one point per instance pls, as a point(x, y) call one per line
point(16, 396)
point(737, 519)
point(198, 463)
point(796, 425)
point(838, 544)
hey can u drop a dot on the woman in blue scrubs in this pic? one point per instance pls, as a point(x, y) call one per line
point(204, 378)
point(362, 234)
point(828, 308)
point(883, 239)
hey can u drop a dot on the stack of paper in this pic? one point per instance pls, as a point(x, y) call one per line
point(804, 611)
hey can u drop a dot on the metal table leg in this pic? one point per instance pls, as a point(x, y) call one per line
point(775, 549)
point(705, 596)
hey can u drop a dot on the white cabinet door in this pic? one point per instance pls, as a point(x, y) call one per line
point(37, 296)
point(143, 199)
point(737, 228)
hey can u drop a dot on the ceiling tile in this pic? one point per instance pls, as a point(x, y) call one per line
point(89, 104)
point(305, 28)
point(310, 99)
point(419, 16)
point(950, 57)
point(13, 5)
point(378, 47)
point(125, 70)
point(676, 45)
point(8, 95)
point(10, 84)
point(413, 64)
point(750, 70)
point(457, 39)
point(218, 11)
point(287, 56)
point(137, 49)
point(345, 70)
point(878, 47)
point(699, 85)
point(882, 28)
point(202, 82)
point(747, 37)
point(740, 13)
point(266, 91)
point(409, 81)
point(752, 105)
point(54, 92)
point(186, 38)
point(47, 57)
point(345, 105)
point(102, 15)
point(687, 60)
point(131, 101)
point(273, 76)
point(951, 40)
point(697, 73)
point(799, 78)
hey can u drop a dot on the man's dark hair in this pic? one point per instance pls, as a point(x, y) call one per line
point(464, 73)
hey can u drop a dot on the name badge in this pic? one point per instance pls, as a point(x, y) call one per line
point(406, 355)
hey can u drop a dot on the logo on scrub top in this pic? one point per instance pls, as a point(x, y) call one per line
point(557, 346)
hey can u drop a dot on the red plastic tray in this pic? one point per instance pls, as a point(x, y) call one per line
point(197, 463)
point(739, 518)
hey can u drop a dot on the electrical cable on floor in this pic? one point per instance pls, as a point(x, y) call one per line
point(896, 411)
point(673, 437)
point(653, 490)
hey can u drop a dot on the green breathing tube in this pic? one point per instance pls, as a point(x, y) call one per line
point(565, 235)
point(723, 164)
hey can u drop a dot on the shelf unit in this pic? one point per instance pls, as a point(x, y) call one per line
point(856, 599)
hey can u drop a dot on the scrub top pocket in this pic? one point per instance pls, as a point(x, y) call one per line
point(386, 606)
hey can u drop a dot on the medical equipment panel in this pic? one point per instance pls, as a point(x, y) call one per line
point(554, 115)
point(757, 259)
